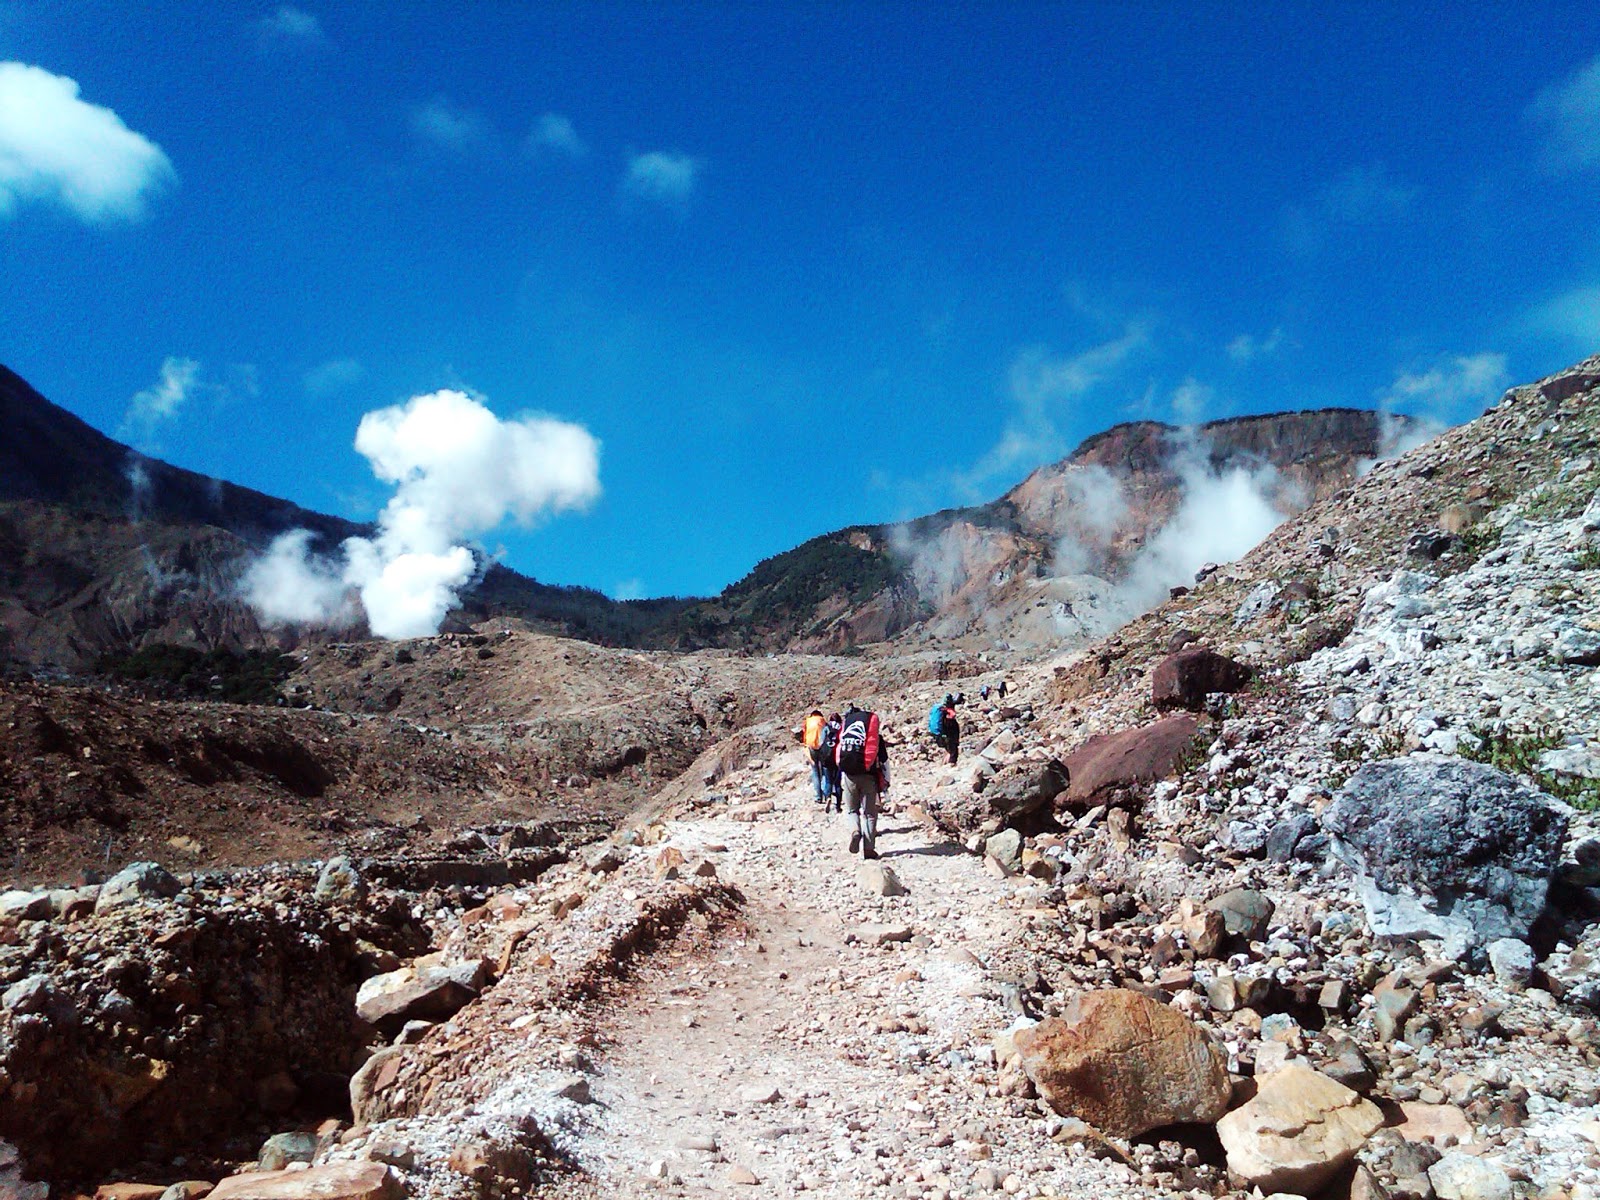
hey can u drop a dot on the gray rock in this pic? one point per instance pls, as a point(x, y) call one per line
point(1005, 848)
point(1512, 962)
point(605, 860)
point(879, 880)
point(1443, 848)
point(1245, 913)
point(1462, 1176)
point(341, 883)
point(134, 884)
point(1244, 838)
point(1287, 834)
point(35, 994)
point(281, 1149)
point(24, 906)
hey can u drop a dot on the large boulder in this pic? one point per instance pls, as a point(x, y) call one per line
point(135, 884)
point(335, 1181)
point(1444, 848)
point(418, 993)
point(1011, 795)
point(1185, 679)
point(1297, 1131)
point(1125, 1064)
point(1135, 756)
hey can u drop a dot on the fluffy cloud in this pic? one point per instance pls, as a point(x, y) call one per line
point(161, 401)
point(1451, 388)
point(1573, 316)
point(1190, 400)
point(1246, 348)
point(447, 126)
point(333, 376)
point(290, 26)
point(1360, 196)
point(1041, 384)
point(56, 148)
point(458, 471)
point(1570, 113)
point(661, 176)
point(552, 131)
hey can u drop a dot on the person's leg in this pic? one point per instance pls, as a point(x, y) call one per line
point(852, 808)
point(869, 817)
point(816, 777)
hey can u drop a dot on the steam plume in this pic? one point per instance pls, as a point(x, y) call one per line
point(458, 472)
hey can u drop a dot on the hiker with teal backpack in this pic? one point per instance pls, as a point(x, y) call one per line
point(863, 770)
point(945, 728)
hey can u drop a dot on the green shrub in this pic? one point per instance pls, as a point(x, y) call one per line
point(183, 672)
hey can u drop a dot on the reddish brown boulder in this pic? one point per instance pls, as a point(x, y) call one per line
point(336, 1181)
point(1134, 756)
point(1185, 679)
point(1125, 1064)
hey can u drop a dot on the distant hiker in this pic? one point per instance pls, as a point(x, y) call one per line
point(983, 693)
point(952, 730)
point(944, 727)
point(813, 743)
point(1001, 690)
point(832, 798)
point(860, 756)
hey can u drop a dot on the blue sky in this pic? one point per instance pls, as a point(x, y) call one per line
point(794, 266)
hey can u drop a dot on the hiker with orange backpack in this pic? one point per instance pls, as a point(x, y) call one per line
point(813, 744)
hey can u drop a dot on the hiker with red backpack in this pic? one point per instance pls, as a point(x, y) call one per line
point(864, 775)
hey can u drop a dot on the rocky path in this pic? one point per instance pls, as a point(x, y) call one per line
point(831, 1044)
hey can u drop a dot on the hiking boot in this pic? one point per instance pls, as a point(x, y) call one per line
point(855, 842)
point(869, 852)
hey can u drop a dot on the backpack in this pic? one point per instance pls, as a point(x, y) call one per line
point(858, 742)
point(936, 719)
point(828, 739)
point(813, 736)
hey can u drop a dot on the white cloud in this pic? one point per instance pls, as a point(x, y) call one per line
point(1360, 196)
point(1190, 400)
point(448, 126)
point(552, 131)
point(1573, 316)
point(1449, 388)
point(458, 471)
point(160, 402)
point(56, 148)
point(662, 176)
point(290, 26)
point(335, 375)
point(629, 589)
point(1570, 112)
point(1246, 348)
point(1041, 383)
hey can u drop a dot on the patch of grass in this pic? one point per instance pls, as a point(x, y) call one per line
point(1557, 501)
point(1476, 541)
point(1518, 754)
point(1587, 559)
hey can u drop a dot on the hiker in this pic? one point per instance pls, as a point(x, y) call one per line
point(832, 798)
point(813, 744)
point(983, 693)
point(863, 767)
point(1001, 690)
point(951, 729)
point(944, 727)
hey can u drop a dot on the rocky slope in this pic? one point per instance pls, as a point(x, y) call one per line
point(1265, 893)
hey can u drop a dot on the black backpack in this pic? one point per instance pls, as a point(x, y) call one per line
point(853, 742)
